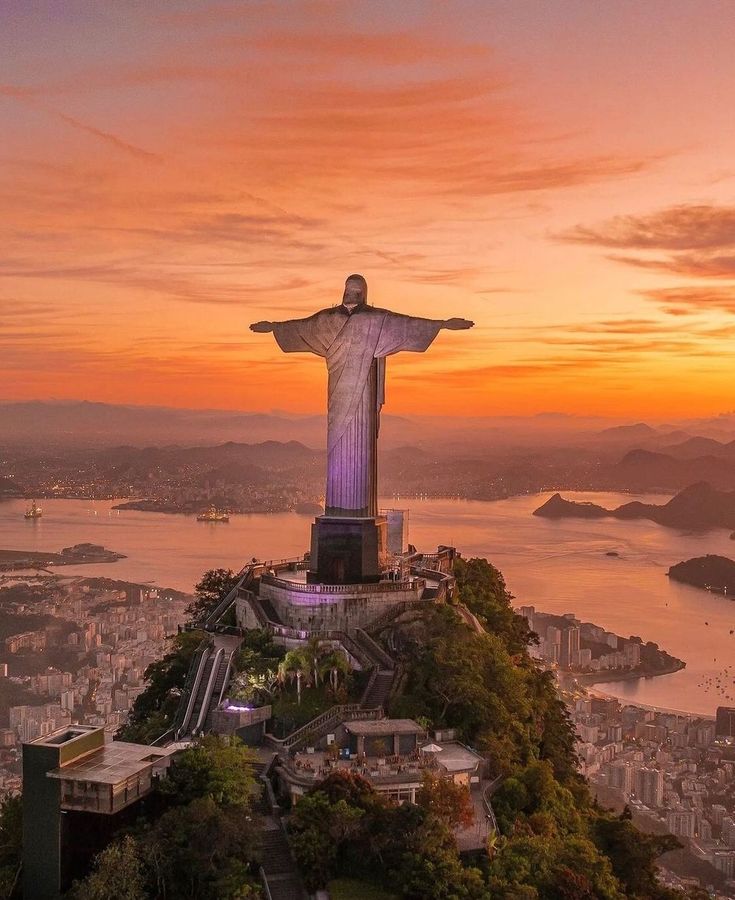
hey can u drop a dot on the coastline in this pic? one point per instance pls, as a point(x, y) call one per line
point(589, 678)
point(17, 560)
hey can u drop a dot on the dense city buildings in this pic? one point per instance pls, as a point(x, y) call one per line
point(725, 722)
point(84, 664)
point(588, 650)
point(674, 771)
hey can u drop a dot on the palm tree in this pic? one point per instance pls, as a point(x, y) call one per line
point(334, 664)
point(293, 665)
point(313, 651)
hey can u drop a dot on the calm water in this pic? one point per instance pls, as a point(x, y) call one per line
point(556, 566)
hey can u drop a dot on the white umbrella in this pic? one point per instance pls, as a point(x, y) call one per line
point(431, 748)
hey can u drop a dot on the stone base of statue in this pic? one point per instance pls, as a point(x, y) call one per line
point(347, 551)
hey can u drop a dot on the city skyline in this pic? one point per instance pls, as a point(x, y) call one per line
point(561, 175)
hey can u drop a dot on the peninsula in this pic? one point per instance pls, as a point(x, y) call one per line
point(591, 654)
point(699, 507)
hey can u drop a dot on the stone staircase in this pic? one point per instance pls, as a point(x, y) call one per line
point(378, 689)
point(279, 871)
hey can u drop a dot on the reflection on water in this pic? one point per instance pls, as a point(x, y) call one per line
point(557, 566)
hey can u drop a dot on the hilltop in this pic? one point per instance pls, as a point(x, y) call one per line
point(711, 572)
point(698, 507)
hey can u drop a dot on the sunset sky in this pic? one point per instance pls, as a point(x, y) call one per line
point(562, 173)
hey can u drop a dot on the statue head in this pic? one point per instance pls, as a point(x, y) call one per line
point(355, 291)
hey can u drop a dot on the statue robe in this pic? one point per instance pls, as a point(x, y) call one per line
point(354, 345)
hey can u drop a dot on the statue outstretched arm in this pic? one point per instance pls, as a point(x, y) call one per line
point(401, 332)
point(457, 324)
point(314, 334)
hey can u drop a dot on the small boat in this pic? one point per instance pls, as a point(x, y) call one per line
point(33, 511)
point(213, 515)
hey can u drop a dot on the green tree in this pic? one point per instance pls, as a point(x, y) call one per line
point(118, 874)
point(11, 844)
point(317, 828)
point(155, 708)
point(335, 666)
point(202, 850)
point(213, 586)
point(295, 666)
point(632, 853)
point(217, 767)
point(449, 802)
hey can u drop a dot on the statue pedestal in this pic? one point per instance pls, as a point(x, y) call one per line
point(347, 551)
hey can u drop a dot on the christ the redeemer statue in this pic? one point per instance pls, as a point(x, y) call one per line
point(355, 338)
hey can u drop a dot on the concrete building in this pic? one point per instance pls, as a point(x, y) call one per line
point(649, 787)
point(569, 645)
point(72, 781)
point(681, 822)
point(725, 722)
point(392, 754)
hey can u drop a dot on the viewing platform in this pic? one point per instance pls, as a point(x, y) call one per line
point(282, 595)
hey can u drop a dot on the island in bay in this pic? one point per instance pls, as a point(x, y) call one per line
point(12, 560)
point(711, 572)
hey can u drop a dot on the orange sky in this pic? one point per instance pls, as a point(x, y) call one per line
point(562, 173)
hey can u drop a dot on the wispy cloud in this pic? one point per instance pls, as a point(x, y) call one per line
point(692, 299)
point(30, 97)
point(700, 239)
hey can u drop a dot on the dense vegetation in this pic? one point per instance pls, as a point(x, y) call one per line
point(714, 573)
point(154, 710)
point(554, 842)
point(203, 844)
point(214, 586)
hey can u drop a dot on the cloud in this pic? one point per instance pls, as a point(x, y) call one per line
point(687, 300)
point(28, 96)
point(106, 136)
point(700, 239)
point(386, 48)
point(682, 227)
point(690, 265)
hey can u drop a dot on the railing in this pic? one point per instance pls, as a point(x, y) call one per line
point(185, 702)
point(264, 881)
point(369, 685)
point(226, 681)
point(490, 812)
point(394, 612)
point(360, 653)
point(469, 618)
point(214, 615)
point(416, 585)
point(194, 691)
point(354, 649)
point(374, 649)
point(341, 713)
point(209, 690)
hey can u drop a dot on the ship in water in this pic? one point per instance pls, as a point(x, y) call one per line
point(213, 515)
point(33, 512)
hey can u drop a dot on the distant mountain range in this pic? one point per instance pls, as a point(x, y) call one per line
point(90, 424)
point(698, 507)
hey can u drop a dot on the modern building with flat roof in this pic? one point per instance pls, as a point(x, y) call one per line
point(74, 770)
